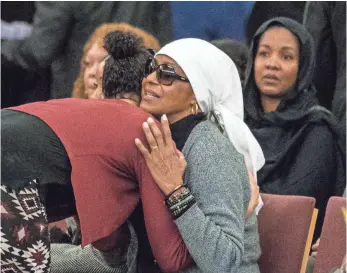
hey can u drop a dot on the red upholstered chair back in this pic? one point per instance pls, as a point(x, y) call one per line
point(332, 246)
point(286, 225)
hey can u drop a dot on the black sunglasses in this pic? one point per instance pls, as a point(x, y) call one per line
point(165, 73)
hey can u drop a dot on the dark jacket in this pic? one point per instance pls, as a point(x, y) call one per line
point(17, 11)
point(302, 144)
point(62, 28)
point(326, 21)
point(33, 85)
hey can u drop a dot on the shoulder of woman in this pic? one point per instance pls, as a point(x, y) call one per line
point(321, 124)
point(319, 133)
point(208, 141)
point(321, 117)
point(206, 132)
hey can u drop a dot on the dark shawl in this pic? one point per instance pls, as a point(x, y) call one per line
point(302, 145)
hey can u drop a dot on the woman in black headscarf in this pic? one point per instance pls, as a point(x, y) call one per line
point(304, 151)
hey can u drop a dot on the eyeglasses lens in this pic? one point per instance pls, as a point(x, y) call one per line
point(165, 74)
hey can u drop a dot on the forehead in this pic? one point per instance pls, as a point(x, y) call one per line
point(280, 37)
point(164, 59)
point(97, 51)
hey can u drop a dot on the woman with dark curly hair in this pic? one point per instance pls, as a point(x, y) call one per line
point(48, 173)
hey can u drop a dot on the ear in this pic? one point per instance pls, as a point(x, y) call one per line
point(194, 106)
point(193, 100)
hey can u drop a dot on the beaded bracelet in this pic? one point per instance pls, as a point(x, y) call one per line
point(180, 203)
point(174, 190)
point(178, 195)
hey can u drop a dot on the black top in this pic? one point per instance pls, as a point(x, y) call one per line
point(181, 129)
point(31, 150)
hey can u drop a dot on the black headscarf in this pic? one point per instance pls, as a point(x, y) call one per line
point(286, 135)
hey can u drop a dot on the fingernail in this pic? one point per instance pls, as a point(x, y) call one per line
point(137, 140)
point(164, 117)
point(145, 125)
point(150, 120)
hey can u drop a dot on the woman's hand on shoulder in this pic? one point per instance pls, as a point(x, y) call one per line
point(164, 161)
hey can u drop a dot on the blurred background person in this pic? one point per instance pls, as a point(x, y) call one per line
point(16, 24)
point(326, 21)
point(60, 29)
point(237, 51)
point(266, 10)
point(17, 11)
point(210, 20)
point(94, 53)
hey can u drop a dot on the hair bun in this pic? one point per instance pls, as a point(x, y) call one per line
point(120, 44)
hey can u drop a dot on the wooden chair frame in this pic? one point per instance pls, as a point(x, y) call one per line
point(309, 241)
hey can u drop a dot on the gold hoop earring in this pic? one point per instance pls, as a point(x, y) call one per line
point(194, 109)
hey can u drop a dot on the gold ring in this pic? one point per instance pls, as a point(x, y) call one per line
point(154, 147)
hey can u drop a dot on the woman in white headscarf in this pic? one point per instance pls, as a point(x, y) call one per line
point(197, 87)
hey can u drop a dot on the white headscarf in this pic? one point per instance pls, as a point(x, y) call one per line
point(217, 87)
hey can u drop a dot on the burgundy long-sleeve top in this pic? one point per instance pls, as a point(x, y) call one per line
point(109, 174)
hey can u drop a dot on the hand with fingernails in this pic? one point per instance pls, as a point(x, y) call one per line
point(315, 247)
point(255, 194)
point(164, 161)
